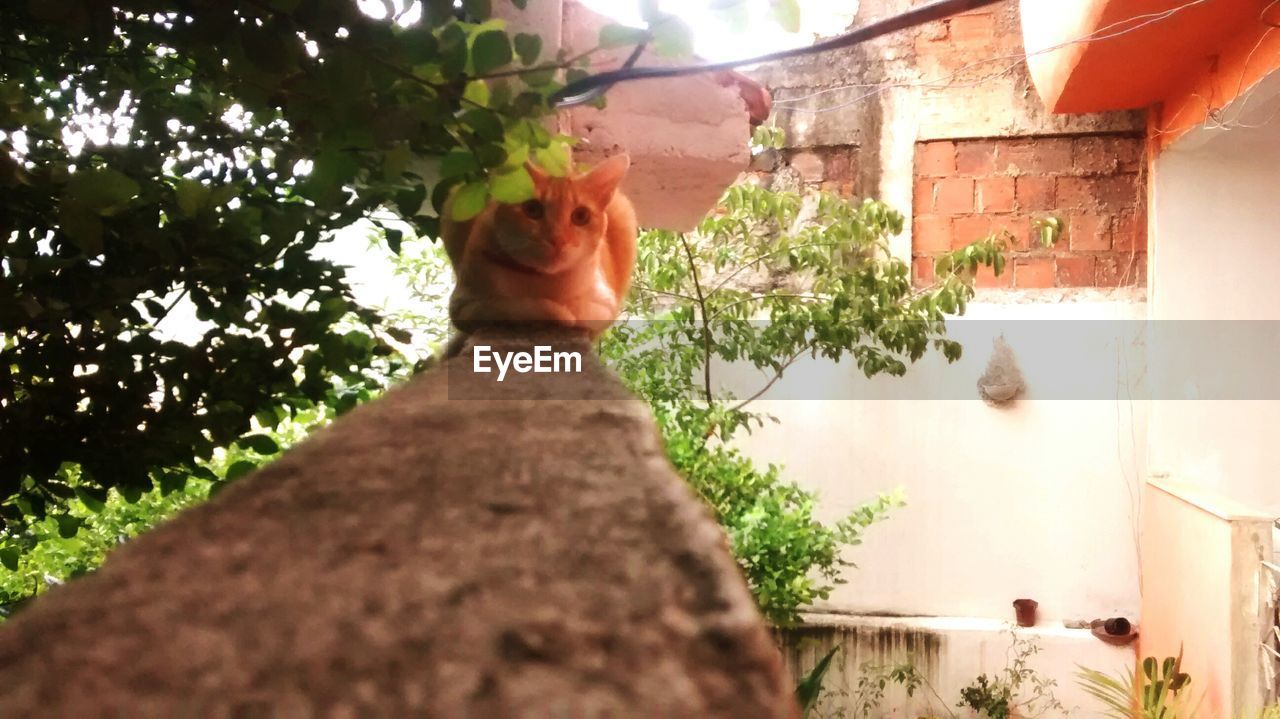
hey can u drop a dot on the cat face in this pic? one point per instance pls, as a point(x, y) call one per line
point(564, 223)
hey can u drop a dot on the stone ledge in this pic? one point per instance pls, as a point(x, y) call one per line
point(420, 557)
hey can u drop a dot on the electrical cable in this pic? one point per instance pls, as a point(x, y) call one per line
point(592, 87)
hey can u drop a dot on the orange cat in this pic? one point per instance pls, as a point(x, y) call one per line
point(564, 256)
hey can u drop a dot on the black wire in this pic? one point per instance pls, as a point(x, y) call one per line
point(589, 88)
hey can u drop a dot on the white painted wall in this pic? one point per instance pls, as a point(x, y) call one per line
point(1216, 256)
point(950, 653)
point(1037, 500)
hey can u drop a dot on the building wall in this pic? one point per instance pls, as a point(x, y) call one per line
point(1035, 500)
point(1215, 262)
point(1204, 594)
point(966, 189)
point(949, 654)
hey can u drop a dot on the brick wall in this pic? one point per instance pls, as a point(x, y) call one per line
point(833, 168)
point(967, 189)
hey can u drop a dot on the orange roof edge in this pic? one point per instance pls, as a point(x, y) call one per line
point(1189, 58)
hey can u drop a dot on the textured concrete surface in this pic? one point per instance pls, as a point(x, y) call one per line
point(424, 556)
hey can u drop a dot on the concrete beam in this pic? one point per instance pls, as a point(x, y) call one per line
point(425, 555)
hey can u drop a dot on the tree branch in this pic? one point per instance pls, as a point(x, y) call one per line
point(776, 376)
point(702, 312)
point(757, 298)
point(677, 295)
point(766, 256)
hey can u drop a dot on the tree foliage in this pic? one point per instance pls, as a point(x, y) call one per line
point(162, 158)
point(767, 279)
point(76, 536)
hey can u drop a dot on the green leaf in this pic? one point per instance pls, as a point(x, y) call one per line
point(102, 190)
point(490, 51)
point(240, 469)
point(477, 93)
point(93, 498)
point(470, 200)
point(512, 187)
point(260, 443)
point(409, 201)
point(457, 163)
point(192, 197)
point(394, 238)
point(787, 14)
point(486, 124)
point(673, 38)
point(396, 160)
point(521, 4)
point(810, 686)
point(131, 492)
point(68, 525)
point(490, 155)
point(9, 558)
point(83, 226)
point(420, 46)
point(615, 35)
point(649, 11)
point(556, 159)
point(171, 482)
point(528, 47)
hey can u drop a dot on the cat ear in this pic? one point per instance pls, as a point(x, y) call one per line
point(537, 174)
point(603, 179)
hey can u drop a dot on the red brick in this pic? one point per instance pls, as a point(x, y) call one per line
point(977, 157)
point(1042, 155)
point(936, 31)
point(966, 230)
point(809, 165)
point(1076, 271)
point(1128, 151)
point(1117, 192)
point(1035, 193)
point(1033, 272)
point(1122, 269)
point(1053, 154)
point(986, 277)
point(1074, 193)
point(836, 187)
point(922, 197)
point(1093, 156)
point(931, 233)
point(922, 271)
point(1089, 233)
point(841, 165)
point(1129, 232)
point(926, 47)
point(936, 159)
point(954, 195)
point(1015, 157)
point(973, 29)
point(1026, 236)
point(1005, 222)
point(995, 194)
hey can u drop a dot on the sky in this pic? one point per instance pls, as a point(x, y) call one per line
point(716, 40)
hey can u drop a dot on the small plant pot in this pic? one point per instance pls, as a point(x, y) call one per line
point(1116, 631)
point(1025, 611)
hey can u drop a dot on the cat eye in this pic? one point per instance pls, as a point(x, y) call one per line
point(580, 216)
point(534, 209)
